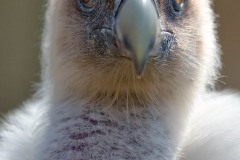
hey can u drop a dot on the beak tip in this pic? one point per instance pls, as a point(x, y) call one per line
point(139, 73)
point(139, 68)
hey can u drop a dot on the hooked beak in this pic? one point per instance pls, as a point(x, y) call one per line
point(136, 27)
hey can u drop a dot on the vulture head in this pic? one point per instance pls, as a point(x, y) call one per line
point(153, 50)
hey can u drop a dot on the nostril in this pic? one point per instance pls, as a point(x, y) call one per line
point(126, 43)
point(151, 44)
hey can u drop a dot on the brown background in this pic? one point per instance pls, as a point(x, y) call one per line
point(20, 37)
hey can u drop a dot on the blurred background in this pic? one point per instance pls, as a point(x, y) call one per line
point(20, 38)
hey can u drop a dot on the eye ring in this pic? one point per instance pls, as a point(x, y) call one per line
point(178, 5)
point(87, 6)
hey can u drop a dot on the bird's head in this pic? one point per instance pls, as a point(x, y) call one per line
point(152, 49)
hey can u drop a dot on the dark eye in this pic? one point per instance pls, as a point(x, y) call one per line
point(178, 5)
point(86, 5)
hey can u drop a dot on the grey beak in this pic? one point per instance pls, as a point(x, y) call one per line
point(136, 27)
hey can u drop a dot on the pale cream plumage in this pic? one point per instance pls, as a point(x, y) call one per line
point(92, 104)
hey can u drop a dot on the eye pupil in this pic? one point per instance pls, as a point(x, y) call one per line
point(178, 5)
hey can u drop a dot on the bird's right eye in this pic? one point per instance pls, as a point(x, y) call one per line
point(86, 5)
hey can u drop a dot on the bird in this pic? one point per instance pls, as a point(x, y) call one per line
point(127, 80)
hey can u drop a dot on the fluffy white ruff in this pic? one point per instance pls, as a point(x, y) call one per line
point(212, 131)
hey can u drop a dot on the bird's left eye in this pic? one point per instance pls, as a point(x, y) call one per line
point(178, 5)
point(86, 5)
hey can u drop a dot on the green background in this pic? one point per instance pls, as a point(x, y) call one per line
point(20, 39)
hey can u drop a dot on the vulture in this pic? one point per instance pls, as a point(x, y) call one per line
point(127, 80)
